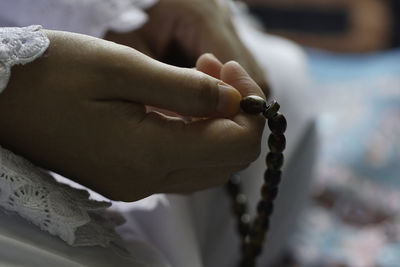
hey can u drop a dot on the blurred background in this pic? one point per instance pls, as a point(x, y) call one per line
point(354, 58)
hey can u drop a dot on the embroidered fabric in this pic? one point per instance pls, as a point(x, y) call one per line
point(19, 46)
point(54, 207)
point(32, 193)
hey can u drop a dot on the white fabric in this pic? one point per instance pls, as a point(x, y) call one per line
point(91, 17)
point(19, 46)
point(55, 208)
point(24, 244)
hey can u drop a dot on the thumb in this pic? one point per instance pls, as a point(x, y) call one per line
point(188, 92)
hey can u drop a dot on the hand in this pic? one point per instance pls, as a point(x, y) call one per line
point(79, 110)
point(179, 31)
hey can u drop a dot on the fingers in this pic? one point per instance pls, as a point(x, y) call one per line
point(218, 141)
point(210, 65)
point(231, 73)
point(234, 74)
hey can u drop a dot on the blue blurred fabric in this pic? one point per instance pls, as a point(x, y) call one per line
point(358, 168)
point(359, 111)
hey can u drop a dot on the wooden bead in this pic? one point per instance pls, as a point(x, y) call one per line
point(247, 262)
point(253, 104)
point(265, 208)
point(257, 249)
point(240, 205)
point(271, 109)
point(258, 238)
point(243, 228)
point(261, 223)
point(233, 189)
point(244, 224)
point(277, 124)
point(272, 177)
point(235, 179)
point(274, 161)
point(239, 208)
point(276, 143)
point(251, 249)
point(269, 192)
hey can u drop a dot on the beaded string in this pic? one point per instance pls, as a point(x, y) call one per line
point(253, 233)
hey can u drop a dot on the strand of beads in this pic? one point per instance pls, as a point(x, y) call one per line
point(239, 207)
point(253, 234)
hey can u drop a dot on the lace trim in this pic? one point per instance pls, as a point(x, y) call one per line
point(19, 46)
point(54, 207)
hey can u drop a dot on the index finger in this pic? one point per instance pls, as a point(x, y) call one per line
point(233, 74)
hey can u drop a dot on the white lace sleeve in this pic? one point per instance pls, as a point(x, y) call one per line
point(19, 46)
point(54, 207)
point(31, 192)
point(92, 17)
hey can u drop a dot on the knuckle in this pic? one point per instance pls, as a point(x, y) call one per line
point(207, 94)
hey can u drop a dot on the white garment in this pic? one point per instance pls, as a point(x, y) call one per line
point(170, 230)
point(91, 17)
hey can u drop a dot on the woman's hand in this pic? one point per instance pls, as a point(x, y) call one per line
point(179, 31)
point(79, 110)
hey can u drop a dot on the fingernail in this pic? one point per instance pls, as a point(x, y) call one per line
point(228, 100)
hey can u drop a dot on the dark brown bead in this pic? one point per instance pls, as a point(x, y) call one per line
point(271, 109)
point(251, 250)
point(277, 124)
point(244, 224)
point(253, 104)
point(239, 208)
point(243, 228)
point(261, 223)
point(265, 207)
point(247, 262)
point(272, 177)
point(274, 161)
point(233, 189)
point(269, 192)
point(257, 249)
point(258, 237)
point(276, 143)
point(240, 205)
point(235, 179)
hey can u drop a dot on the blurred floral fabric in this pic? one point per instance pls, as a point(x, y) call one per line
point(354, 219)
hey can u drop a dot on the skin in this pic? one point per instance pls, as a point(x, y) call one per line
point(187, 29)
point(82, 113)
